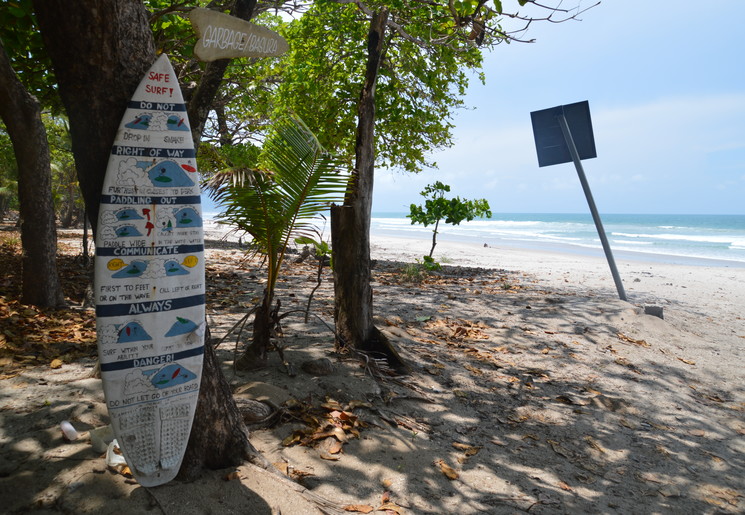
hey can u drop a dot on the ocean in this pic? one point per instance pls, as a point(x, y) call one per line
point(710, 240)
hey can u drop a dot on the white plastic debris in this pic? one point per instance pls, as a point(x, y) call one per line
point(114, 457)
point(68, 431)
point(101, 437)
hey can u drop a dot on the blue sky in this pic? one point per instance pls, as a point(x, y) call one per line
point(665, 81)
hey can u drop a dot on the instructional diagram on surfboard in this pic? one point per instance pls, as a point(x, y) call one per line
point(150, 288)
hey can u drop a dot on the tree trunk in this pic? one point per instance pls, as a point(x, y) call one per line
point(218, 438)
point(100, 50)
point(434, 238)
point(350, 225)
point(22, 116)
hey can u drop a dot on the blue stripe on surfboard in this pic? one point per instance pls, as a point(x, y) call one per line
point(165, 250)
point(153, 306)
point(150, 199)
point(163, 359)
point(156, 106)
point(161, 153)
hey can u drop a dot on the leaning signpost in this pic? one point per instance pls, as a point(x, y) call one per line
point(563, 134)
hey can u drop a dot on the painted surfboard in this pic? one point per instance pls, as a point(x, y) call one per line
point(149, 279)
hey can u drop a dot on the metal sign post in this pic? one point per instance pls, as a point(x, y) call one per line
point(553, 149)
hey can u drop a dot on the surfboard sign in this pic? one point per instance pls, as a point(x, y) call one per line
point(222, 36)
point(149, 279)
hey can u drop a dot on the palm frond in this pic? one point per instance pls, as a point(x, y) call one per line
point(297, 180)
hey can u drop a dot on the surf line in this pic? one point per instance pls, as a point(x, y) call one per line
point(152, 360)
point(141, 308)
point(124, 150)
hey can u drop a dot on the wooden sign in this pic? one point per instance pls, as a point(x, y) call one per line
point(149, 279)
point(225, 37)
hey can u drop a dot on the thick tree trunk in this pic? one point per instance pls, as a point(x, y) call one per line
point(100, 50)
point(219, 438)
point(350, 225)
point(22, 116)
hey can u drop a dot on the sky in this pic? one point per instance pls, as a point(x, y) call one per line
point(665, 81)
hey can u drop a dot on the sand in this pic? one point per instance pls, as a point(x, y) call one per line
point(533, 388)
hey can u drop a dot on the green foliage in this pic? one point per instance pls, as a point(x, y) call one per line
point(321, 247)
point(296, 180)
point(421, 81)
point(22, 41)
point(438, 208)
point(429, 264)
point(452, 211)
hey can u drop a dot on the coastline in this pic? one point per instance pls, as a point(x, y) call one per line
point(713, 291)
point(685, 291)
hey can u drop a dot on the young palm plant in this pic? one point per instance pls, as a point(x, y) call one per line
point(295, 181)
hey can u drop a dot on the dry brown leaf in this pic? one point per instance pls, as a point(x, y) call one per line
point(386, 483)
point(687, 361)
point(329, 457)
point(359, 508)
point(231, 476)
point(565, 486)
point(473, 369)
point(559, 449)
point(55, 364)
point(281, 466)
point(628, 339)
point(446, 469)
point(293, 438)
point(390, 507)
point(594, 444)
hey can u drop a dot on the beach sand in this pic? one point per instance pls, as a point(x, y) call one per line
point(533, 388)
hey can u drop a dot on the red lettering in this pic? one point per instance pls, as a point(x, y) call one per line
point(159, 77)
point(158, 90)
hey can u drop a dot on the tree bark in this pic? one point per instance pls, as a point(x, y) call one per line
point(100, 51)
point(218, 438)
point(350, 224)
point(21, 113)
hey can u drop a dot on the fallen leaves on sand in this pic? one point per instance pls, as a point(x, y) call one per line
point(447, 470)
point(626, 363)
point(687, 361)
point(359, 508)
point(594, 444)
point(628, 339)
point(456, 330)
point(559, 449)
point(328, 426)
point(468, 450)
point(31, 336)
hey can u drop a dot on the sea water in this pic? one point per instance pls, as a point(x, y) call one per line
point(714, 240)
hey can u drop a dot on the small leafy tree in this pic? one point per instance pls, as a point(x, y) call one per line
point(452, 211)
point(276, 203)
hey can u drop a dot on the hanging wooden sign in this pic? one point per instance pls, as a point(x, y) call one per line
point(149, 279)
point(222, 36)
